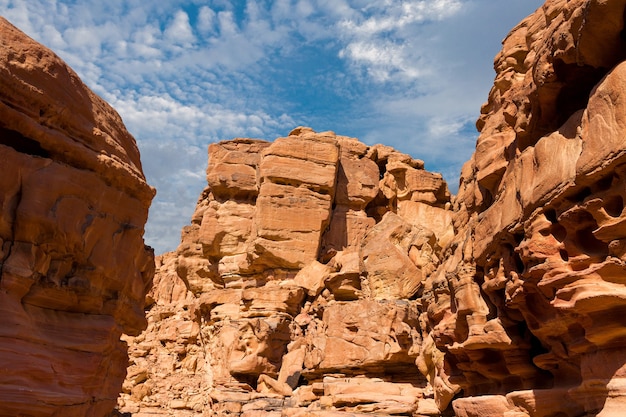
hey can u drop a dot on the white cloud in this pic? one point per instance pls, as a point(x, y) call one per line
point(380, 38)
point(226, 22)
point(54, 37)
point(207, 20)
point(179, 30)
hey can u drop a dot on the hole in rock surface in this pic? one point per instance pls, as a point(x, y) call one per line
point(588, 243)
point(21, 143)
point(559, 232)
point(614, 206)
point(579, 80)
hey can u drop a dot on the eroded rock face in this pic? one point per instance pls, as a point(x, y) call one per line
point(74, 270)
point(296, 287)
point(534, 276)
point(373, 304)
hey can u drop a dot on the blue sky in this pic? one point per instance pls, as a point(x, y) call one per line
point(183, 74)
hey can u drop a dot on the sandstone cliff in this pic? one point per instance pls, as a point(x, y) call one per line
point(322, 277)
point(73, 266)
point(526, 312)
point(297, 287)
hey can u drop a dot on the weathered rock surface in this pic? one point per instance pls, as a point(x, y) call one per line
point(74, 270)
point(525, 312)
point(294, 291)
point(352, 286)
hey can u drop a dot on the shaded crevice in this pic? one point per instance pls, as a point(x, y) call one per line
point(614, 206)
point(8, 244)
point(578, 82)
point(21, 143)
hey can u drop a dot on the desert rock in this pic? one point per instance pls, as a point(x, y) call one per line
point(533, 269)
point(74, 269)
point(285, 298)
point(365, 289)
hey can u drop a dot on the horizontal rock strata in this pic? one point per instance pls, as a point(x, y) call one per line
point(322, 277)
point(74, 270)
point(295, 289)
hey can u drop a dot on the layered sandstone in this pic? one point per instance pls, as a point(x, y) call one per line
point(296, 288)
point(526, 312)
point(74, 270)
point(322, 277)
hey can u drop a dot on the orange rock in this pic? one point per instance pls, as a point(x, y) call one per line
point(287, 283)
point(74, 269)
point(532, 283)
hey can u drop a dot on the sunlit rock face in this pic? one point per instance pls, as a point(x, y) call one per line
point(322, 277)
point(74, 269)
point(297, 285)
point(526, 312)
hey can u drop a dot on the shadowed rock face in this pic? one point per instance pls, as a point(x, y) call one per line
point(73, 266)
point(321, 277)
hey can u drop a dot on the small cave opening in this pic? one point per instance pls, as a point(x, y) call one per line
point(382, 167)
point(250, 380)
point(487, 198)
point(604, 183)
point(551, 215)
point(544, 379)
point(578, 82)
point(519, 264)
point(589, 244)
point(377, 208)
point(613, 206)
point(580, 195)
point(558, 232)
point(21, 143)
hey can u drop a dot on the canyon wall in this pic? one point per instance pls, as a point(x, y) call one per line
point(534, 280)
point(74, 269)
point(322, 277)
point(297, 286)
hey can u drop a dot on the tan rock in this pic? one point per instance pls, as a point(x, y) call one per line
point(289, 224)
point(386, 251)
point(268, 292)
point(536, 250)
point(486, 405)
point(313, 277)
point(363, 334)
point(232, 172)
point(357, 182)
point(347, 229)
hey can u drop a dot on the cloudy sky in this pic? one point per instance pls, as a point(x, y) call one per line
point(184, 73)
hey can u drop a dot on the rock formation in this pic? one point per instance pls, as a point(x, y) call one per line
point(296, 288)
point(525, 312)
point(321, 277)
point(74, 270)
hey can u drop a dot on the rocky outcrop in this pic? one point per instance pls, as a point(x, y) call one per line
point(73, 266)
point(296, 288)
point(525, 313)
point(321, 277)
